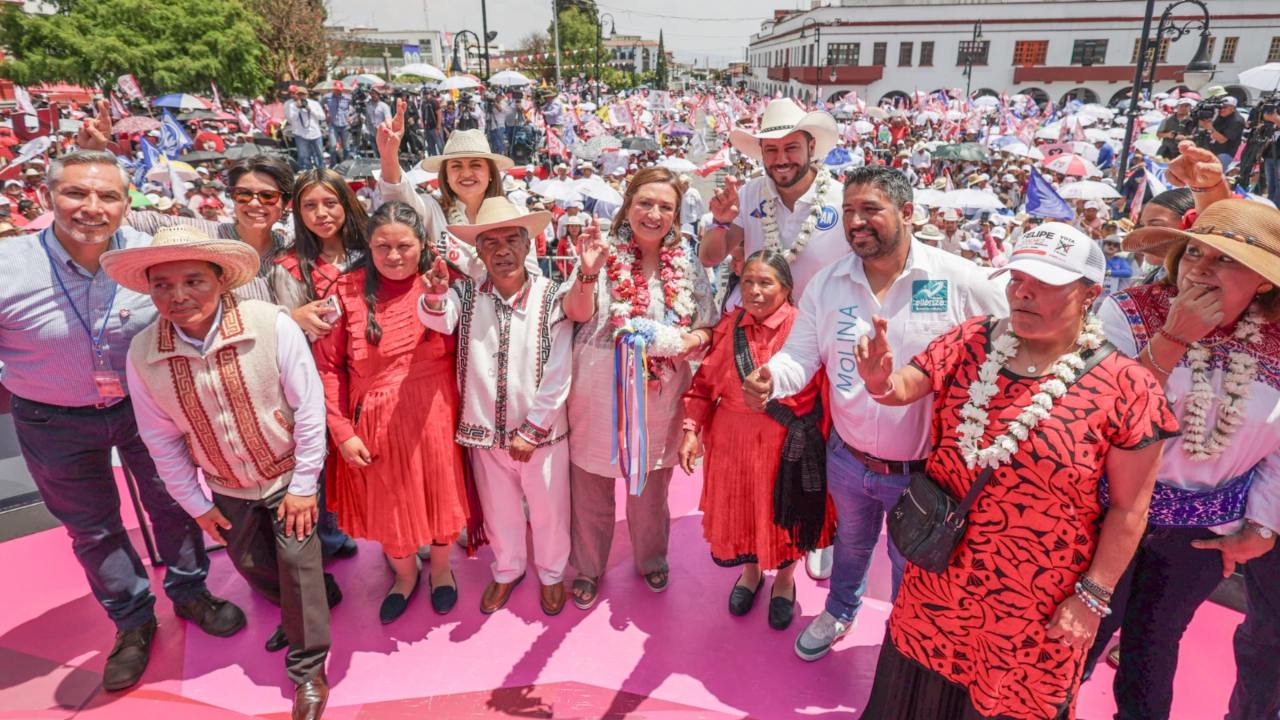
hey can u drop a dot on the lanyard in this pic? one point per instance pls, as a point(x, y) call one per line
point(97, 341)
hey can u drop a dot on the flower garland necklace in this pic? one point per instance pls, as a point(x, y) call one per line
point(1197, 441)
point(772, 235)
point(629, 292)
point(974, 415)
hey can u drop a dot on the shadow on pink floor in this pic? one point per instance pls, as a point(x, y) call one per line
point(636, 654)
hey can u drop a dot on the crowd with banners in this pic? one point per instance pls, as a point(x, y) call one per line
point(461, 314)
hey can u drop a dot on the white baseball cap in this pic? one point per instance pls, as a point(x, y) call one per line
point(1057, 254)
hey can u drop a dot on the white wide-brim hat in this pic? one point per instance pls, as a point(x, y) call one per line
point(128, 267)
point(466, 144)
point(498, 212)
point(781, 118)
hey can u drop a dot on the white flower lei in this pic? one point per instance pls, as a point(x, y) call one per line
point(772, 235)
point(974, 416)
point(1197, 441)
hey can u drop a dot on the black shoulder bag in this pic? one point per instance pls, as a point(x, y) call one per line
point(927, 523)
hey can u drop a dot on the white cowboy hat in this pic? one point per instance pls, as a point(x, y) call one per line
point(128, 267)
point(781, 118)
point(498, 212)
point(466, 144)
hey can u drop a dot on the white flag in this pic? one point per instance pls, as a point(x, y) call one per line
point(23, 100)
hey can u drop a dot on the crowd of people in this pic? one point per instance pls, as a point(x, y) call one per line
point(1059, 393)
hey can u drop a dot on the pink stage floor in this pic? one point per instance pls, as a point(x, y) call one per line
point(635, 655)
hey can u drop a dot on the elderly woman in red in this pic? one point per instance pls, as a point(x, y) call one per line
point(764, 497)
point(392, 403)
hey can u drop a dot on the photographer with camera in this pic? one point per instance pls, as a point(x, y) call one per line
point(305, 121)
point(1221, 127)
point(1174, 129)
point(469, 116)
point(337, 107)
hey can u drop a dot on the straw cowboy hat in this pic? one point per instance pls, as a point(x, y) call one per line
point(466, 144)
point(1244, 230)
point(930, 233)
point(781, 118)
point(128, 267)
point(498, 212)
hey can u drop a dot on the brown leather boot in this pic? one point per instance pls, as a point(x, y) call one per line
point(310, 697)
point(496, 595)
point(553, 597)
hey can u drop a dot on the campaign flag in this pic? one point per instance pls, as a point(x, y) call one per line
point(118, 109)
point(555, 148)
point(217, 99)
point(173, 138)
point(261, 118)
point(1156, 176)
point(128, 86)
point(714, 163)
point(23, 100)
point(1044, 201)
point(1135, 209)
point(150, 156)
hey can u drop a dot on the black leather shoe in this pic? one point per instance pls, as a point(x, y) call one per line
point(347, 549)
point(310, 697)
point(443, 598)
point(333, 595)
point(394, 605)
point(741, 599)
point(128, 658)
point(212, 614)
point(782, 610)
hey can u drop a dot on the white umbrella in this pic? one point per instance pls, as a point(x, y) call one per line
point(1050, 131)
point(956, 115)
point(461, 82)
point(1152, 117)
point(926, 116)
point(863, 127)
point(678, 165)
point(1099, 111)
point(1096, 134)
point(598, 189)
point(422, 70)
point(1085, 150)
point(1021, 150)
point(877, 113)
point(1076, 165)
point(363, 79)
point(1116, 133)
point(969, 199)
point(160, 172)
point(928, 196)
point(986, 101)
point(558, 190)
point(1264, 77)
point(510, 78)
point(1088, 190)
point(1148, 146)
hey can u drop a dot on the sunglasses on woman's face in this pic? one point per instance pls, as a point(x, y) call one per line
point(244, 196)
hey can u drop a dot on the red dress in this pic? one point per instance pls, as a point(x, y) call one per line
point(1032, 533)
point(401, 398)
point(742, 447)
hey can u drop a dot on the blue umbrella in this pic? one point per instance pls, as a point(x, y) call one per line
point(180, 101)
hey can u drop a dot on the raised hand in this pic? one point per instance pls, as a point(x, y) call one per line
point(874, 358)
point(758, 388)
point(592, 250)
point(389, 135)
point(724, 204)
point(95, 134)
point(1195, 167)
point(436, 280)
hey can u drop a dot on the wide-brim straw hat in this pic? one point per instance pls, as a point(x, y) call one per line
point(781, 118)
point(466, 144)
point(1244, 230)
point(930, 233)
point(498, 212)
point(128, 267)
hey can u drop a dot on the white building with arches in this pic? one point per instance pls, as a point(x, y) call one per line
point(1050, 49)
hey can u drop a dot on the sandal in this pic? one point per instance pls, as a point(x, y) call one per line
point(585, 592)
point(657, 580)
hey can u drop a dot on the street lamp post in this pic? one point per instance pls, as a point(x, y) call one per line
point(1197, 73)
point(457, 66)
point(613, 30)
point(484, 28)
point(817, 52)
point(968, 59)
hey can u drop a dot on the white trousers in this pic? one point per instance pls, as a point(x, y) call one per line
point(543, 483)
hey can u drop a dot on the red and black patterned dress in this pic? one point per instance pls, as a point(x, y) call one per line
point(971, 642)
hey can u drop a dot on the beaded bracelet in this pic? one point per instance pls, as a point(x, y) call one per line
point(1095, 589)
point(1096, 606)
point(588, 279)
point(1173, 338)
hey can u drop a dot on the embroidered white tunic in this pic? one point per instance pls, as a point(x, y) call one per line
point(513, 360)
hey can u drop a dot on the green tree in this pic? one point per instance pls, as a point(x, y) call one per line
point(661, 73)
point(170, 45)
point(293, 36)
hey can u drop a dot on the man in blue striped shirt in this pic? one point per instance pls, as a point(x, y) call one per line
point(65, 329)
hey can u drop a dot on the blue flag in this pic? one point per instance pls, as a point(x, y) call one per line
point(1044, 201)
point(150, 156)
point(173, 138)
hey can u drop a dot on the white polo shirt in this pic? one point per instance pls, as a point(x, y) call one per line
point(826, 245)
point(935, 292)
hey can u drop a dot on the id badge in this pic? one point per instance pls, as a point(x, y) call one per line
point(109, 385)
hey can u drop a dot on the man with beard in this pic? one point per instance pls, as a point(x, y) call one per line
point(793, 208)
point(65, 328)
point(923, 292)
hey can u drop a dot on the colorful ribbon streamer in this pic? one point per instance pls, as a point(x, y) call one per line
point(630, 431)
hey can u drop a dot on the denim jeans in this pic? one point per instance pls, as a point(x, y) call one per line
point(68, 452)
point(498, 140)
point(1226, 159)
point(310, 153)
point(861, 498)
point(1271, 166)
point(331, 536)
point(435, 145)
point(340, 143)
point(1257, 642)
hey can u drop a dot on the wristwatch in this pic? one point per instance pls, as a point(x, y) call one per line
point(1263, 531)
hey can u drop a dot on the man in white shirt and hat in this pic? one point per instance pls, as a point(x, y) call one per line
point(873, 450)
point(514, 361)
point(954, 237)
point(794, 207)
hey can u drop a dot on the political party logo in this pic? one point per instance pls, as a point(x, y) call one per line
point(929, 296)
point(758, 213)
point(828, 218)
